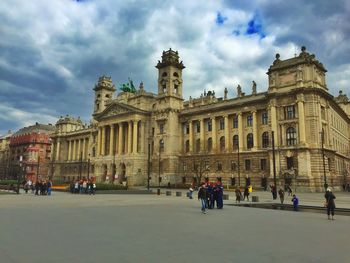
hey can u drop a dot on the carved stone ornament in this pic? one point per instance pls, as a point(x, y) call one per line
point(116, 110)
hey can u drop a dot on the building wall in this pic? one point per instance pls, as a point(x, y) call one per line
point(296, 107)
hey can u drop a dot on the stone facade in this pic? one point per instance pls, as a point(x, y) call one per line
point(225, 138)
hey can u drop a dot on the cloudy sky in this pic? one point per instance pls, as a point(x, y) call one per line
point(52, 52)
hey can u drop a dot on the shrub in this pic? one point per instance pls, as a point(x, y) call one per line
point(8, 182)
point(102, 186)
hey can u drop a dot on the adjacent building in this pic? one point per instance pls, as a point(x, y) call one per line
point(30, 152)
point(213, 138)
point(5, 154)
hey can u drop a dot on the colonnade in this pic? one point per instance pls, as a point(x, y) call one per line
point(76, 148)
point(121, 138)
point(214, 134)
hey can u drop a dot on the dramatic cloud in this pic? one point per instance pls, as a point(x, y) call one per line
point(53, 53)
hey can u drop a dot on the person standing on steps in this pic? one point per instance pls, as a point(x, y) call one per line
point(330, 204)
point(281, 194)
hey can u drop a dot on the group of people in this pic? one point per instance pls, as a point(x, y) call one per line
point(83, 186)
point(41, 187)
point(210, 194)
point(247, 191)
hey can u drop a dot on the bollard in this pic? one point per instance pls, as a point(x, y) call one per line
point(255, 198)
point(168, 193)
point(158, 191)
point(178, 193)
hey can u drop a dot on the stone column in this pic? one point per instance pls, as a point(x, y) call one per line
point(111, 140)
point(120, 138)
point(99, 141)
point(134, 143)
point(103, 141)
point(202, 127)
point(142, 136)
point(255, 131)
point(301, 120)
point(69, 150)
point(74, 150)
point(227, 134)
point(79, 149)
point(83, 149)
point(190, 135)
point(58, 150)
point(240, 131)
point(213, 132)
point(129, 136)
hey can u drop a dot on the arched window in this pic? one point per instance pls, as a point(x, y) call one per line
point(235, 142)
point(198, 145)
point(164, 74)
point(209, 144)
point(187, 146)
point(250, 142)
point(222, 144)
point(175, 74)
point(291, 136)
point(265, 140)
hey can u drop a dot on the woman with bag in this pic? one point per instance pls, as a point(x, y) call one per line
point(330, 204)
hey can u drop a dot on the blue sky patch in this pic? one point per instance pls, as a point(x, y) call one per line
point(255, 27)
point(220, 19)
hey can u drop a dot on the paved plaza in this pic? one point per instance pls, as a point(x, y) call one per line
point(150, 228)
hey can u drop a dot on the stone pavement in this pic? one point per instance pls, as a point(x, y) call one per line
point(150, 228)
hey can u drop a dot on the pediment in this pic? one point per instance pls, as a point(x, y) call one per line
point(117, 109)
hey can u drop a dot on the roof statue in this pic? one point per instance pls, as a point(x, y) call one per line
point(254, 87)
point(239, 91)
point(128, 87)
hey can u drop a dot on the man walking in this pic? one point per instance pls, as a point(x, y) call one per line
point(202, 196)
point(281, 194)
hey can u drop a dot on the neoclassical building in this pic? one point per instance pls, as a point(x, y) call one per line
point(213, 137)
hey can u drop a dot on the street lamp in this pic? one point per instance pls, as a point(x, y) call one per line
point(274, 193)
point(324, 164)
point(88, 168)
point(161, 145)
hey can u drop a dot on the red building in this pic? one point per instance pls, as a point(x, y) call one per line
point(30, 149)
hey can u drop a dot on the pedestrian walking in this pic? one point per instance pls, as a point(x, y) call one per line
point(238, 195)
point(330, 204)
point(202, 196)
point(281, 194)
point(289, 190)
point(190, 193)
point(246, 193)
point(295, 201)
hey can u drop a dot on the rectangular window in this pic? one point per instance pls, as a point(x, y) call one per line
point(290, 162)
point(161, 128)
point(233, 166)
point(219, 166)
point(264, 118)
point(209, 126)
point(222, 124)
point(187, 128)
point(235, 122)
point(323, 113)
point(247, 165)
point(263, 164)
point(152, 131)
point(198, 127)
point(289, 112)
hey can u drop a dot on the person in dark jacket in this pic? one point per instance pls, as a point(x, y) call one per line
point(330, 204)
point(246, 193)
point(281, 194)
point(220, 192)
point(202, 196)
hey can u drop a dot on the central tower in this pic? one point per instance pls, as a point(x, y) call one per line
point(170, 75)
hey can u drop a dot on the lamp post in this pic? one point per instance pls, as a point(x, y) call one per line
point(324, 164)
point(148, 165)
point(238, 166)
point(274, 194)
point(37, 169)
point(80, 164)
point(88, 168)
point(161, 142)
